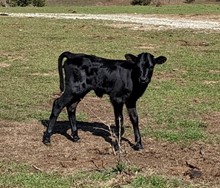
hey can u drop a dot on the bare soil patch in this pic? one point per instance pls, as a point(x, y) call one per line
point(8, 57)
point(213, 121)
point(22, 142)
point(4, 65)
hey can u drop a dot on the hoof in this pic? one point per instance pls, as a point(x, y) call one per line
point(116, 147)
point(46, 143)
point(46, 140)
point(137, 147)
point(75, 138)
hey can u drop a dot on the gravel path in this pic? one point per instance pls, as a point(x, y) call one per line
point(145, 20)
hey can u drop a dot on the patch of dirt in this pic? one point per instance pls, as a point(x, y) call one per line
point(22, 142)
point(44, 74)
point(9, 57)
point(210, 82)
point(214, 71)
point(213, 122)
point(139, 27)
point(4, 65)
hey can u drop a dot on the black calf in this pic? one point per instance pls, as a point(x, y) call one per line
point(123, 80)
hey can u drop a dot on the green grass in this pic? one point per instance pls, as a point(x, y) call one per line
point(156, 182)
point(23, 176)
point(167, 9)
point(178, 131)
point(186, 89)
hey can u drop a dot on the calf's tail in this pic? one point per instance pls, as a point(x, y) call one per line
point(67, 55)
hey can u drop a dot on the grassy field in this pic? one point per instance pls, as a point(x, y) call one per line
point(166, 9)
point(185, 90)
point(24, 176)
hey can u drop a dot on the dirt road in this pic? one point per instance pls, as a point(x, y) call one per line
point(201, 22)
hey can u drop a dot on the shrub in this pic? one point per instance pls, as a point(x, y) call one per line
point(189, 1)
point(24, 3)
point(141, 2)
point(38, 3)
point(21, 3)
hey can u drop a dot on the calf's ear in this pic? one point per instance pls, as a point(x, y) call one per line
point(131, 58)
point(160, 60)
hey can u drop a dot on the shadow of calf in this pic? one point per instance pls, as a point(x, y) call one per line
point(97, 129)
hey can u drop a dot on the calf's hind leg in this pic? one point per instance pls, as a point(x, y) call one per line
point(58, 105)
point(71, 109)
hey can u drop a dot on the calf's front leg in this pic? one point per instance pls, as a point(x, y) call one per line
point(119, 121)
point(134, 120)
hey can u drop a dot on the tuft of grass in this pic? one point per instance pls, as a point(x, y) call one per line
point(122, 167)
point(155, 181)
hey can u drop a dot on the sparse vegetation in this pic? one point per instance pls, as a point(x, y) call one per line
point(24, 176)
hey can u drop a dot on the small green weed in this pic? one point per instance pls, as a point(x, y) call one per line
point(122, 167)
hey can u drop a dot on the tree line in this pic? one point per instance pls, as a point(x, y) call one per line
point(24, 3)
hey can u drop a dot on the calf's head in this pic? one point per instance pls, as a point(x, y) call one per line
point(144, 64)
